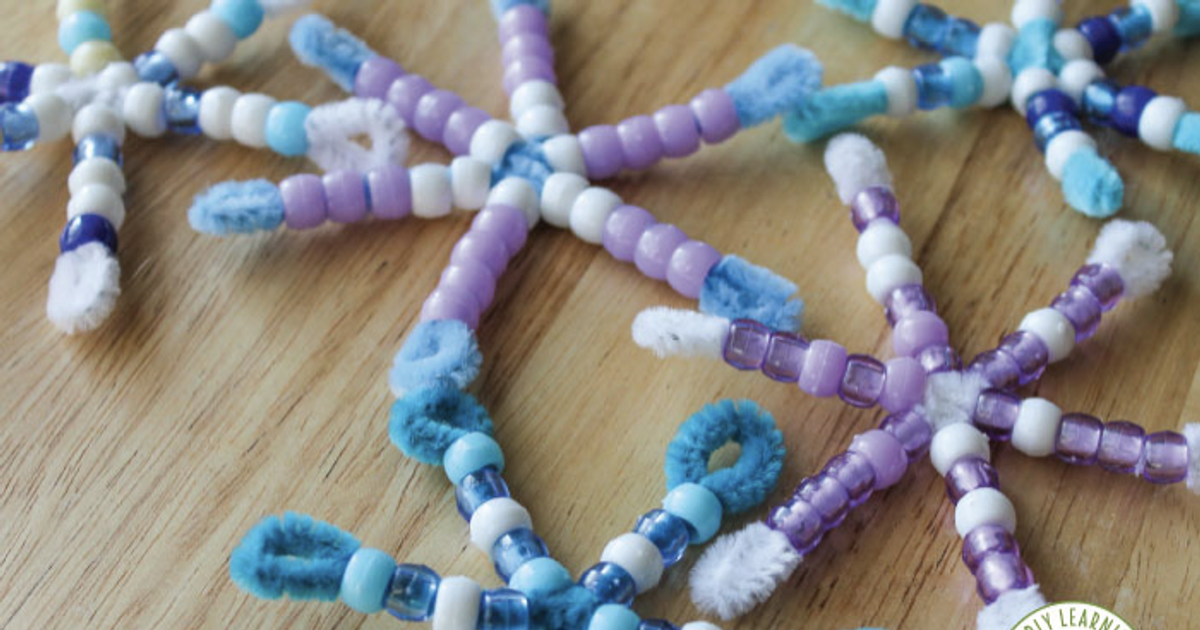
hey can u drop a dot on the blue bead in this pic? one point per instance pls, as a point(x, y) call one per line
point(540, 576)
point(98, 145)
point(961, 39)
point(926, 27)
point(412, 593)
point(1052, 124)
point(243, 16)
point(515, 549)
point(80, 27)
point(1133, 24)
point(966, 82)
point(470, 453)
point(285, 128)
point(182, 108)
point(668, 532)
point(88, 228)
point(614, 617)
point(657, 624)
point(478, 488)
point(934, 88)
point(1128, 107)
point(699, 507)
point(503, 609)
point(1046, 102)
point(1099, 99)
point(155, 67)
point(18, 127)
point(609, 583)
point(14, 81)
point(1103, 36)
point(366, 580)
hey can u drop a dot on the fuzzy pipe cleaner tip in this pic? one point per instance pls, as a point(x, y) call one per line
point(1138, 251)
point(319, 43)
point(740, 570)
point(84, 288)
point(856, 164)
point(237, 208)
point(679, 332)
point(780, 81)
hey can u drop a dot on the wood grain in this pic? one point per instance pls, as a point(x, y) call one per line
point(244, 377)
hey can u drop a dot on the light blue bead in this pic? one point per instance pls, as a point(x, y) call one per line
point(18, 127)
point(243, 16)
point(80, 27)
point(470, 453)
point(614, 617)
point(698, 506)
point(365, 583)
point(966, 82)
point(413, 592)
point(285, 128)
point(540, 576)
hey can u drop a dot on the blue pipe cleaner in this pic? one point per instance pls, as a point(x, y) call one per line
point(1091, 185)
point(736, 289)
point(1034, 48)
point(568, 609)
point(237, 208)
point(318, 43)
point(442, 353)
point(424, 423)
point(1187, 133)
point(835, 108)
point(860, 10)
point(526, 160)
point(295, 555)
point(778, 82)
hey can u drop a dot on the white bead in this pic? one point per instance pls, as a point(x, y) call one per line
point(431, 194)
point(53, 116)
point(559, 195)
point(995, 40)
point(1054, 329)
point(496, 518)
point(1030, 82)
point(143, 110)
point(492, 139)
point(216, 112)
point(1061, 147)
point(890, 15)
point(212, 36)
point(96, 171)
point(183, 51)
point(955, 442)
point(890, 272)
point(249, 119)
point(882, 238)
point(541, 121)
point(638, 556)
point(565, 154)
point(518, 193)
point(1164, 14)
point(117, 75)
point(47, 77)
point(1071, 44)
point(997, 80)
point(1074, 78)
point(96, 118)
point(1036, 429)
point(93, 56)
point(1026, 11)
point(984, 506)
point(470, 180)
point(1156, 127)
point(901, 90)
point(590, 213)
point(456, 605)
point(699, 625)
point(532, 93)
point(98, 199)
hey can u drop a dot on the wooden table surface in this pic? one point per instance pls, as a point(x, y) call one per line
point(246, 376)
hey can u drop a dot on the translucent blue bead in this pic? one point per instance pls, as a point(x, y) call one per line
point(80, 27)
point(1134, 24)
point(1051, 125)
point(609, 583)
point(18, 127)
point(412, 593)
point(668, 532)
point(503, 609)
point(1047, 102)
point(478, 488)
point(515, 549)
point(961, 39)
point(98, 145)
point(656, 624)
point(926, 27)
point(934, 88)
point(1099, 99)
point(243, 16)
point(285, 128)
point(182, 107)
point(87, 228)
point(155, 67)
point(14, 81)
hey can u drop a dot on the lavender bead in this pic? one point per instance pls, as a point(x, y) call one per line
point(905, 300)
point(998, 368)
point(999, 573)
point(1081, 308)
point(1029, 352)
point(601, 151)
point(432, 112)
point(639, 142)
point(677, 130)
point(506, 223)
point(913, 432)
point(470, 278)
point(885, 453)
point(405, 93)
point(1166, 458)
point(984, 541)
point(855, 473)
point(785, 357)
point(800, 522)
point(345, 196)
point(824, 365)
point(390, 192)
point(459, 128)
point(863, 381)
point(624, 229)
point(996, 414)
point(689, 266)
point(746, 344)
point(525, 69)
point(375, 76)
point(874, 203)
point(904, 385)
point(967, 474)
point(303, 201)
point(655, 247)
point(715, 115)
point(1103, 281)
point(527, 45)
point(918, 331)
point(1121, 447)
point(445, 304)
point(1079, 439)
point(939, 358)
point(828, 497)
point(483, 248)
point(523, 18)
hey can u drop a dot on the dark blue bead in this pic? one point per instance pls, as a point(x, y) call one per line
point(1046, 102)
point(155, 67)
point(98, 145)
point(1099, 99)
point(926, 27)
point(934, 88)
point(14, 81)
point(515, 549)
point(1128, 108)
point(1133, 25)
point(962, 38)
point(1051, 125)
point(1103, 36)
point(656, 624)
point(503, 609)
point(88, 228)
point(182, 108)
point(668, 532)
point(478, 488)
point(609, 583)
point(19, 127)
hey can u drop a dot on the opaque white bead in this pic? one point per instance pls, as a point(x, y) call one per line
point(470, 180)
point(1062, 147)
point(98, 199)
point(249, 120)
point(1026, 11)
point(590, 213)
point(1054, 329)
point(1036, 429)
point(53, 116)
point(216, 112)
point(456, 605)
point(880, 239)
point(212, 36)
point(890, 15)
point(984, 506)
point(559, 195)
point(143, 110)
point(890, 272)
point(496, 518)
point(955, 442)
point(95, 118)
point(182, 50)
point(1030, 82)
point(997, 80)
point(117, 75)
point(1156, 127)
point(431, 194)
point(541, 121)
point(565, 154)
point(1164, 14)
point(995, 40)
point(492, 139)
point(699, 625)
point(901, 90)
point(638, 556)
point(47, 77)
point(96, 171)
point(532, 93)
point(1071, 44)
point(1074, 78)
point(518, 193)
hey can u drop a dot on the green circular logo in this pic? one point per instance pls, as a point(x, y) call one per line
point(1073, 616)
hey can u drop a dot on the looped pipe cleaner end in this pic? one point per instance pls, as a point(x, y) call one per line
point(319, 43)
point(293, 555)
point(237, 208)
point(780, 81)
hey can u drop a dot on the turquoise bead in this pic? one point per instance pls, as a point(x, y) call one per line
point(80, 27)
point(366, 580)
point(243, 16)
point(540, 576)
point(285, 128)
point(698, 506)
point(614, 617)
point(470, 453)
point(966, 83)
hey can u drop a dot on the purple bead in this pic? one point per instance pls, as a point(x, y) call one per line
point(917, 331)
point(828, 497)
point(639, 142)
point(345, 196)
point(405, 93)
point(863, 381)
point(1080, 308)
point(874, 203)
point(677, 130)
point(444, 304)
point(484, 248)
point(998, 368)
point(939, 358)
point(375, 76)
point(470, 278)
point(746, 344)
point(1121, 447)
point(303, 201)
point(506, 223)
point(824, 365)
point(967, 474)
point(523, 18)
point(984, 541)
point(14, 81)
point(855, 473)
point(999, 573)
point(624, 229)
point(785, 357)
point(655, 247)
point(996, 414)
point(527, 45)
point(1166, 458)
point(1127, 110)
point(1079, 439)
point(87, 228)
point(800, 522)
point(527, 68)
point(1103, 281)
point(885, 453)
point(715, 115)
point(391, 194)
point(432, 112)
point(1030, 353)
point(601, 151)
point(913, 432)
point(1103, 37)
point(689, 267)
point(459, 128)
point(904, 386)
point(906, 300)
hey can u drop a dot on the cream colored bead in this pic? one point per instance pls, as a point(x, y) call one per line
point(1156, 126)
point(1062, 146)
point(431, 195)
point(95, 118)
point(517, 193)
point(1054, 329)
point(98, 199)
point(955, 442)
point(216, 112)
point(182, 50)
point(541, 121)
point(456, 605)
point(882, 238)
point(117, 75)
point(492, 139)
point(47, 77)
point(995, 40)
point(66, 7)
point(143, 110)
point(96, 171)
point(997, 80)
point(889, 272)
point(533, 93)
point(640, 558)
point(212, 36)
point(53, 116)
point(901, 90)
point(494, 519)
point(984, 506)
point(249, 120)
point(558, 197)
point(565, 154)
point(470, 180)
point(889, 17)
point(590, 213)
point(1036, 430)
point(91, 57)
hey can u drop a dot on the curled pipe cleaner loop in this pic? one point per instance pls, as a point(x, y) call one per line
point(424, 423)
point(439, 353)
point(293, 555)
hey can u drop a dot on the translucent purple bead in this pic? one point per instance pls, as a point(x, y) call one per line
point(855, 473)
point(1030, 353)
point(999, 368)
point(1121, 447)
point(746, 344)
point(609, 583)
point(1103, 281)
point(800, 522)
point(913, 432)
point(1080, 308)
point(967, 474)
point(906, 300)
point(1079, 439)
point(939, 358)
point(984, 541)
point(828, 496)
point(874, 203)
point(478, 488)
point(1166, 458)
point(999, 573)
point(996, 414)
point(824, 365)
point(863, 381)
point(785, 357)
